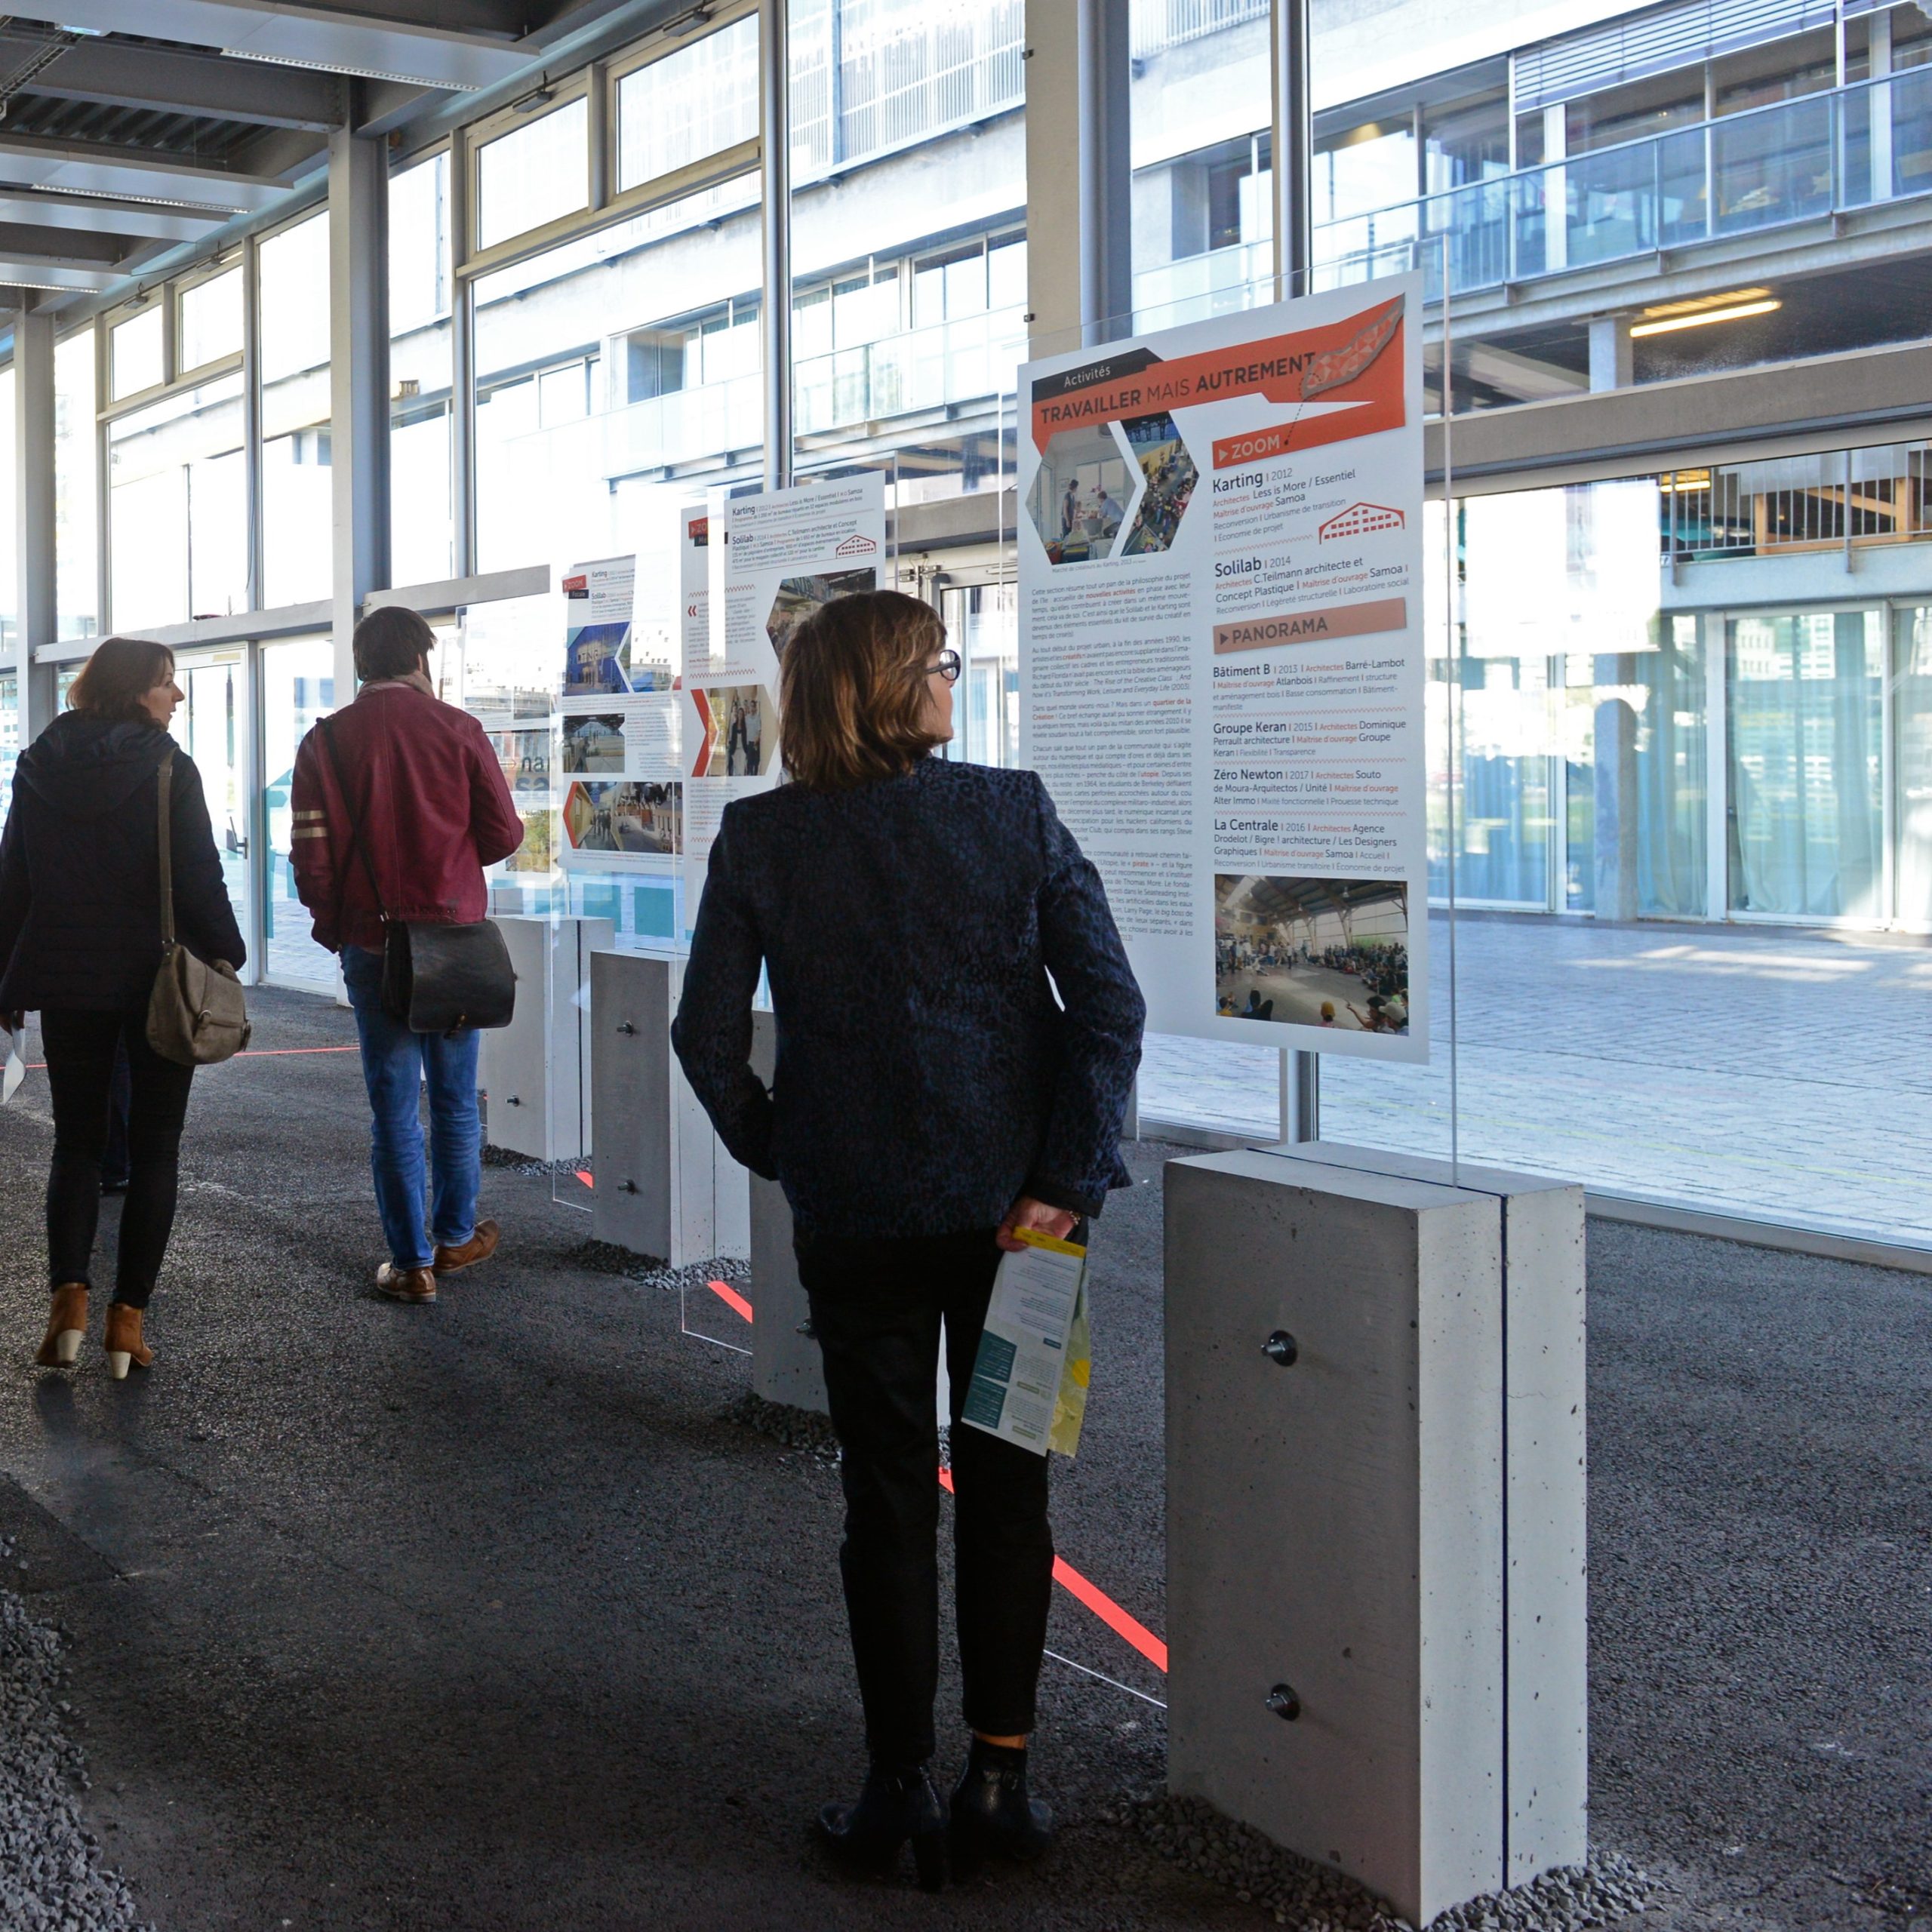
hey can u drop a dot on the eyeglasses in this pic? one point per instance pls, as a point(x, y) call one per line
point(947, 667)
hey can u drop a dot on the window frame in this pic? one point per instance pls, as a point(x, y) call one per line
point(184, 286)
point(564, 94)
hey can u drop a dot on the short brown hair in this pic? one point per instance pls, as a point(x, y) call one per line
point(852, 690)
point(121, 671)
point(390, 642)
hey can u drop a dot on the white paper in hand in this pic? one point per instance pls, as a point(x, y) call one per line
point(16, 1068)
point(1023, 1354)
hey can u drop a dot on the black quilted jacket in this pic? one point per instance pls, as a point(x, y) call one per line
point(80, 878)
point(926, 1074)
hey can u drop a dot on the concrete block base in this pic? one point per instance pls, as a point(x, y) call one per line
point(1375, 1514)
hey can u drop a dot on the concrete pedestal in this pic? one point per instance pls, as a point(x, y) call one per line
point(1375, 1513)
point(536, 1070)
point(785, 1359)
point(665, 1187)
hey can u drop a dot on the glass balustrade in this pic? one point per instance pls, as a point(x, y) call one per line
point(1790, 161)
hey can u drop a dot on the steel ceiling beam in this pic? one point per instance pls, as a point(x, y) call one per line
point(79, 215)
point(65, 276)
point(90, 167)
point(113, 74)
point(328, 40)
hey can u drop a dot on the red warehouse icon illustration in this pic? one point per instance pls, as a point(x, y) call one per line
point(1358, 519)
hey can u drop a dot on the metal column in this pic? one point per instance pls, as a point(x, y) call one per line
point(1294, 149)
point(774, 127)
point(33, 497)
point(1079, 234)
point(359, 381)
point(1294, 256)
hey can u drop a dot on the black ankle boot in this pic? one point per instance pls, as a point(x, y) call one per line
point(992, 1813)
point(896, 1805)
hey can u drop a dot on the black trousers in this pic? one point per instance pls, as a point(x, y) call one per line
point(81, 1051)
point(876, 1309)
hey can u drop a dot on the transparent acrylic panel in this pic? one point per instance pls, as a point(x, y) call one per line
point(298, 690)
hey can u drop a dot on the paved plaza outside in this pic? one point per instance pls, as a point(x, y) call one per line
point(1780, 1074)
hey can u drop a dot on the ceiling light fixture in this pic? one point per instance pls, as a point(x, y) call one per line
point(1698, 319)
point(349, 71)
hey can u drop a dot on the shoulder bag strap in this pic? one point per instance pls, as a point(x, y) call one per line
point(164, 787)
point(355, 832)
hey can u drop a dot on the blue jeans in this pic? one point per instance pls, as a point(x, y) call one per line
point(395, 1061)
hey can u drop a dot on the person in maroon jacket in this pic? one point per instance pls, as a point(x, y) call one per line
point(427, 803)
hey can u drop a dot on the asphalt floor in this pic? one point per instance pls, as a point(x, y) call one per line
point(491, 1615)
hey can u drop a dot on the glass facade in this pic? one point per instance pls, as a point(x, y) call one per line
point(297, 506)
point(1668, 706)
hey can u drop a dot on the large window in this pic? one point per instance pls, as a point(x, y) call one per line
point(678, 109)
point(76, 535)
point(297, 508)
point(422, 521)
point(533, 173)
point(178, 508)
point(135, 352)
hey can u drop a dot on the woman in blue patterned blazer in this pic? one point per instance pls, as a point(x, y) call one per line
point(958, 1030)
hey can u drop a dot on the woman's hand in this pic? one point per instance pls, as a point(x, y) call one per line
point(1028, 1213)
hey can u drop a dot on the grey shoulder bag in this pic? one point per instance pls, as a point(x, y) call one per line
point(197, 1014)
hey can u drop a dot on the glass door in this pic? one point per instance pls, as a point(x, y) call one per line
point(1804, 697)
point(212, 727)
point(298, 687)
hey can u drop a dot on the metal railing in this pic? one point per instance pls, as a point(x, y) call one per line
point(1842, 497)
point(1795, 160)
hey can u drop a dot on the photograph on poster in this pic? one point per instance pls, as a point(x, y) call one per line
point(534, 854)
point(625, 818)
point(1168, 477)
point(595, 743)
point(1080, 493)
point(798, 597)
point(525, 757)
point(738, 741)
point(1312, 952)
point(596, 658)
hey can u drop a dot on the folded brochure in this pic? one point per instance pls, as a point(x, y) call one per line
point(16, 1068)
point(1029, 1379)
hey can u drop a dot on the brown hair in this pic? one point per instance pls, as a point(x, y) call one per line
point(852, 690)
point(390, 642)
point(121, 671)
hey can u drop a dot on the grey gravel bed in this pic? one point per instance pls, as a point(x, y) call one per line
point(51, 1876)
point(1313, 1898)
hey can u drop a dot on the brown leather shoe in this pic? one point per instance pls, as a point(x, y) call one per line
point(123, 1341)
point(66, 1327)
point(479, 1247)
point(405, 1283)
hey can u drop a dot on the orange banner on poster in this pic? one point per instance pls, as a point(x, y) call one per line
point(1343, 362)
point(1370, 415)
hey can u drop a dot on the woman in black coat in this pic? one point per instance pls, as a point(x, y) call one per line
point(930, 1094)
point(80, 941)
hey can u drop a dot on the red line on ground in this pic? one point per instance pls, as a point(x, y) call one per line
point(730, 1297)
point(247, 1052)
point(585, 1178)
point(1096, 1600)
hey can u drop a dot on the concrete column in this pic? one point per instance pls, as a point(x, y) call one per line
point(785, 1359)
point(1375, 1514)
point(1079, 172)
point(665, 1186)
point(536, 1071)
point(1615, 771)
point(1611, 361)
point(33, 499)
point(359, 381)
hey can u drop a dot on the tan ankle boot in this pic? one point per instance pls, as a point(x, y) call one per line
point(124, 1342)
point(66, 1325)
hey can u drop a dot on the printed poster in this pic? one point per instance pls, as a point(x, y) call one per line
point(621, 805)
point(1222, 663)
point(783, 553)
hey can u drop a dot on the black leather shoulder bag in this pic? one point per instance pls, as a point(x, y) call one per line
point(437, 977)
